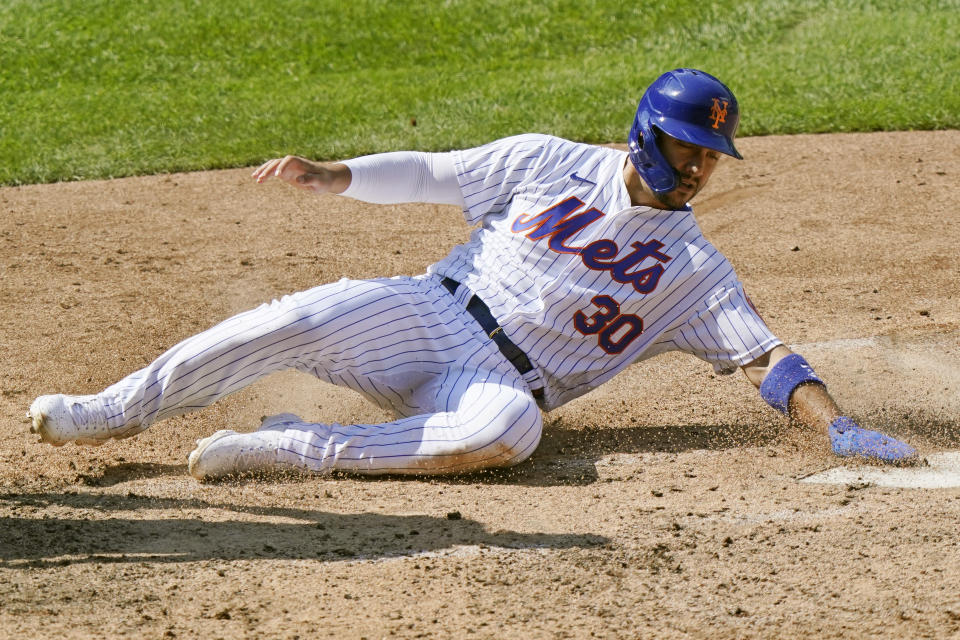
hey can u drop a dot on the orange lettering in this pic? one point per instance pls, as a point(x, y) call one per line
point(718, 113)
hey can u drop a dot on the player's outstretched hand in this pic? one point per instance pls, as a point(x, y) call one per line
point(305, 174)
point(850, 439)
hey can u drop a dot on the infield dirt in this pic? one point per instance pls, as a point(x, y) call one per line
point(665, 504)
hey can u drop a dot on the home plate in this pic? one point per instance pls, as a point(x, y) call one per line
point(942, 472)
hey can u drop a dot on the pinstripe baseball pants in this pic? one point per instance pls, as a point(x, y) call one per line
point(404, 343)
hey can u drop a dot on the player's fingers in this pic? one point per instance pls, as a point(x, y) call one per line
point(266, 169)
point(292, 168)
point(287, 168)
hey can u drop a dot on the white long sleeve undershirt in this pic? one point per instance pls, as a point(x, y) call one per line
point(404, 176)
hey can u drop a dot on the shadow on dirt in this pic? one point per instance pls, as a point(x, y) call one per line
point(568, 455)
point(599, 441)
point(61, 530)
point(129, 471)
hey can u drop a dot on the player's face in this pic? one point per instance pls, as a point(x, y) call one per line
point(693, 165)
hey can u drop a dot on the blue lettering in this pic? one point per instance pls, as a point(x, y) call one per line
point(558, 224)
point(555, 224)
point(598, 251)
point(645, 280)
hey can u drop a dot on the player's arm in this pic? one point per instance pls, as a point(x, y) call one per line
point(789, 384)
point(809, 404)
point(384, 178)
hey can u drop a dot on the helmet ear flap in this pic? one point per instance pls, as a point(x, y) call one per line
point(646, 156)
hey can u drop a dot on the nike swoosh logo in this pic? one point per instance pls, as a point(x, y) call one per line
point(579, 179)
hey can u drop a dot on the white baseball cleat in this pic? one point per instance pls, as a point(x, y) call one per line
point(60, 419)
point(227, 453)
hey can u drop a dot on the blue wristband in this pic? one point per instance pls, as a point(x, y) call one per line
point(785, 376)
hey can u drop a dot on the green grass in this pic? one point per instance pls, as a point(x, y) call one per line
point(111, 87)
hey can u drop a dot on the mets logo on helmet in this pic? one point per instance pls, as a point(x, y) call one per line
point(718, 113)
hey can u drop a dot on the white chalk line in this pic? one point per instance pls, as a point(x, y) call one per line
point(783, 515)
point(455, 551)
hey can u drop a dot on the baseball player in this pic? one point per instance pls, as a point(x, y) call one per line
point(584, 260)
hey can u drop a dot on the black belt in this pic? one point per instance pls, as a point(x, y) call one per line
point(481, 313)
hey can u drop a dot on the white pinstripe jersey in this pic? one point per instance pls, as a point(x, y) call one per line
point(583, 282)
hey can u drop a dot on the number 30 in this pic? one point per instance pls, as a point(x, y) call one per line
point(615, 331)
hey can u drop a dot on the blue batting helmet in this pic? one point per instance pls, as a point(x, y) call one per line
point(689, 105)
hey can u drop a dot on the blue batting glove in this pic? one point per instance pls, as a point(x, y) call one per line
point(849, 439)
